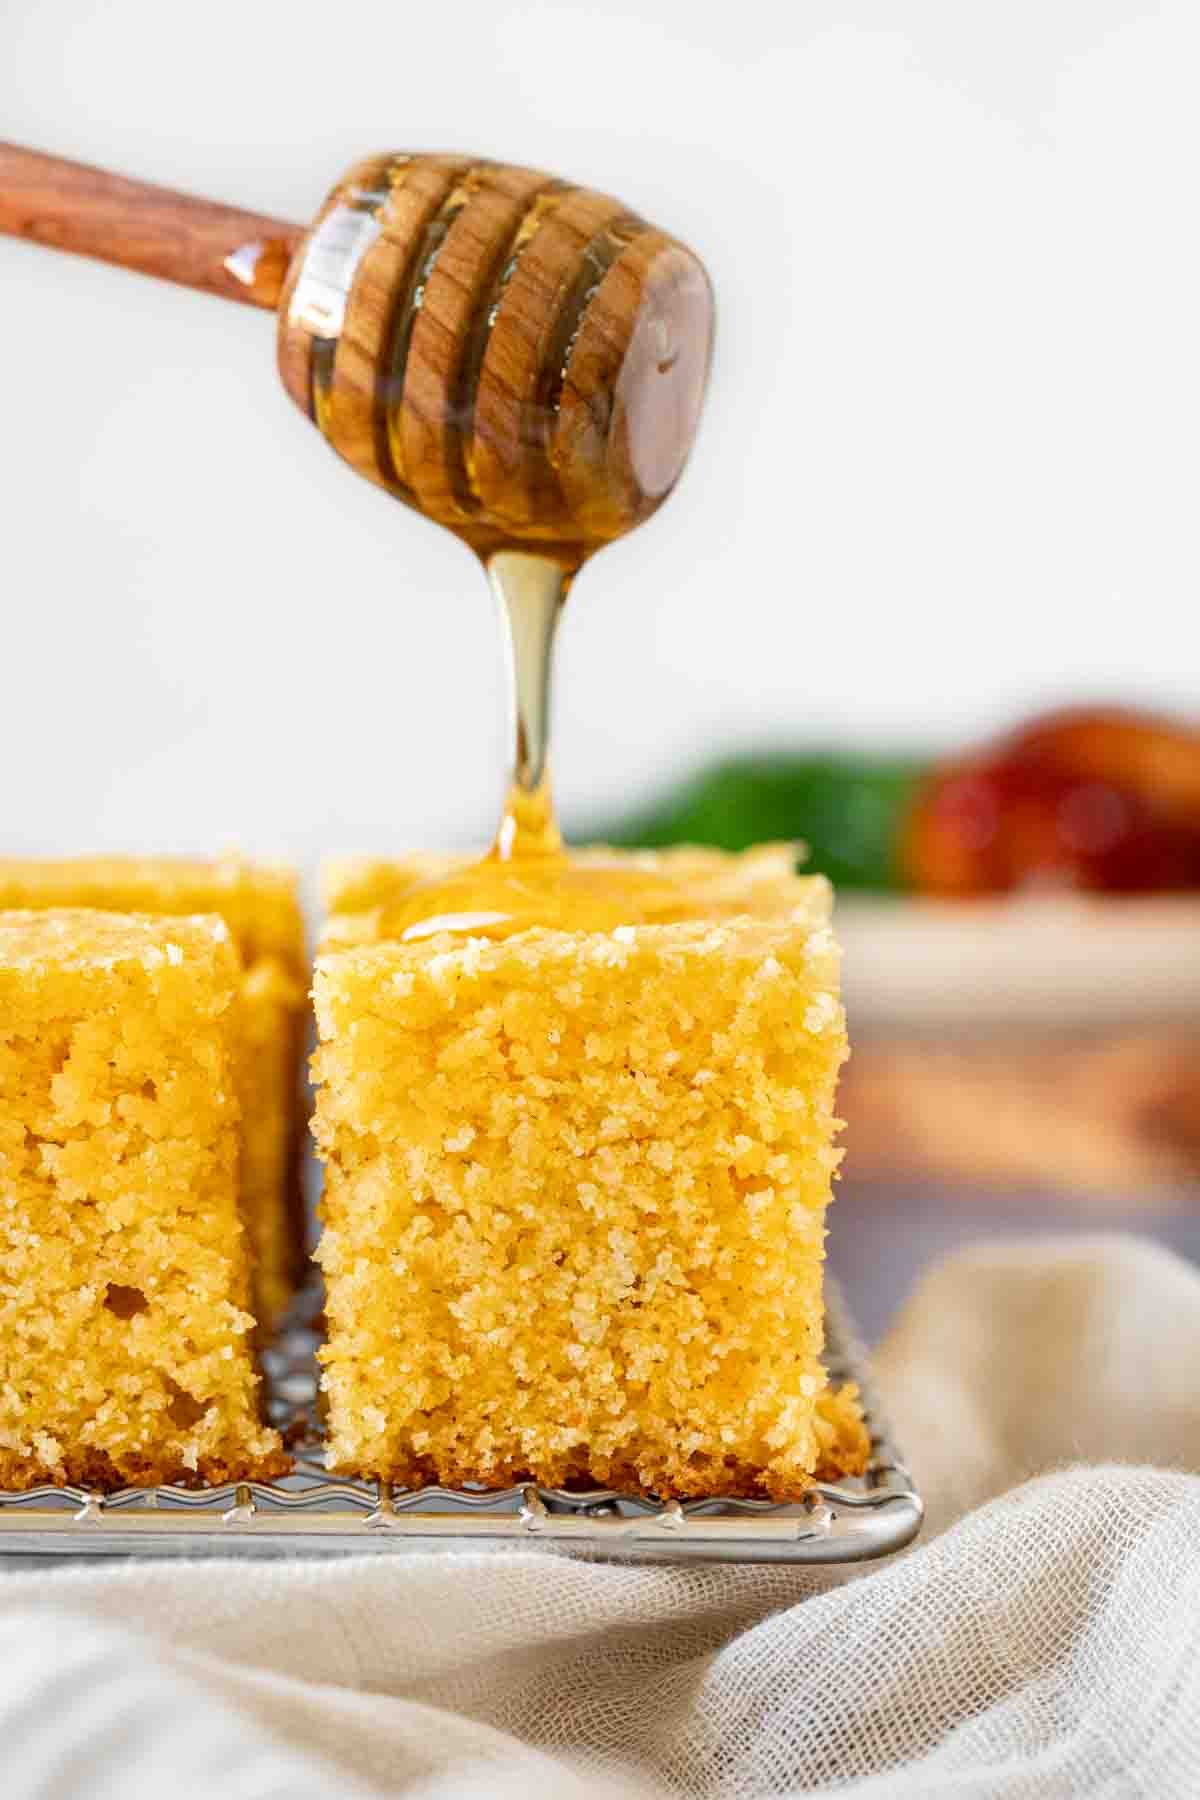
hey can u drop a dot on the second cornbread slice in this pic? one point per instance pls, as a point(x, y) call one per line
point(124, 1268)
point(575, 1194)
point(260, 905)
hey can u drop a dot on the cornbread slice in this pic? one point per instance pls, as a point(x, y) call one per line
point(260, 905)
point(124, 1354)
point(575, 1195)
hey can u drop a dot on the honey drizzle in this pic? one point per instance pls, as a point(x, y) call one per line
point(530, 592)
point(494, 894)
point(527, 879)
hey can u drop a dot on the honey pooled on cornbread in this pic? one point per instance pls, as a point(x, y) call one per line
point(576, 1174)
point(124, 1273)
point(260, 904)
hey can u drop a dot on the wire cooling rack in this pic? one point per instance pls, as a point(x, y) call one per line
point(847, 1521)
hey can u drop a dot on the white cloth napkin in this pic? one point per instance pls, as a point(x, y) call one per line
point(1043, 1639)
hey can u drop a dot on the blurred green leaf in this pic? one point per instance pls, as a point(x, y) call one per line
point(848, 809)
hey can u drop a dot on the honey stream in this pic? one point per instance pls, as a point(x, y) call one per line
point(527, 878)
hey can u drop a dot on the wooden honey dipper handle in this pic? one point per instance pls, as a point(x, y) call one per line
point(199, 243)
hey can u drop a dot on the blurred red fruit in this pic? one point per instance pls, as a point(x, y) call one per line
point(1096, 798)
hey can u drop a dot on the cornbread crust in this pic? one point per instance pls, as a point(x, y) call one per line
point(843, 1449)
point(260, 905)
point(574, 1206)
point(90, 1469)
point(124, 1336)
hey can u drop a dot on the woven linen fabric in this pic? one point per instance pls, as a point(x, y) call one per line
point(1042, 1639)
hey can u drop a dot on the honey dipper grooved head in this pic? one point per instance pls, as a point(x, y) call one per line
point(521, 360)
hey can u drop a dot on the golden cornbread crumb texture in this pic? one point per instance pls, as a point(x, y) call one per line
point(574, 1206)
point(260, 904)
point(124, 1351)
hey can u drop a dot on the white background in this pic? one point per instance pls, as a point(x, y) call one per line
point(949, 471)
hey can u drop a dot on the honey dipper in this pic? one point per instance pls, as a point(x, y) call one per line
point(519, 359)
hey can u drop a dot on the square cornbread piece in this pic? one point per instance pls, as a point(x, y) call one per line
point(260, 904)
point(124, 1267)
point(575, 1197)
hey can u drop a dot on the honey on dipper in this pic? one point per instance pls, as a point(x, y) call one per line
point(576, 1109)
